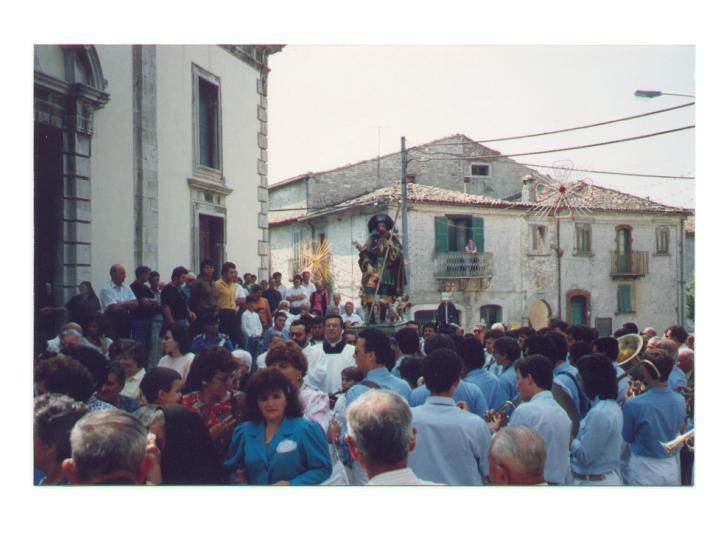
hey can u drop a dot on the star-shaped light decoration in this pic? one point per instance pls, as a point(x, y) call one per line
point(315, 257)
point(553, 195)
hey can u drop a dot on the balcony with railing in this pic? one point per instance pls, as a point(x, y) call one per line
point(459, 265)
point(628, 265)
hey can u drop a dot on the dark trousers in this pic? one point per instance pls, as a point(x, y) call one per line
point(117, 325)
point(229, 325)
point(253, 347)
point(140, 331)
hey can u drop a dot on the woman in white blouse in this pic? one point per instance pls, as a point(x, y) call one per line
point(176, 343)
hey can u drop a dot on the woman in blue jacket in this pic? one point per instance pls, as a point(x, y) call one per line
point(277, 446)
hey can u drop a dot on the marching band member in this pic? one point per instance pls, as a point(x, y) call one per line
point(653, 417)
point(541, 412)
point(595, 453)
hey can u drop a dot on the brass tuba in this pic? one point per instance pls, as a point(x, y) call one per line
point(628, 359)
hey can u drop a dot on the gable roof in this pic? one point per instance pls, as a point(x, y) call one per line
point(463, 139)
point(597, 198)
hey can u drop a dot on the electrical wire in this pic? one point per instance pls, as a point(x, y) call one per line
point(565, 130)
point(669, 176)
point(458, 157)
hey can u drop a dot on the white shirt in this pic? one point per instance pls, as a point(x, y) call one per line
point(251, 324)
point(181, 364)
point(282, 289)
point(240, 292)
point(132, 385)
point(261, 360)
point(115, 294)
point(354, 318)
point(399, 477)
point(309, 288)
point(324, 370)
point(295, 291)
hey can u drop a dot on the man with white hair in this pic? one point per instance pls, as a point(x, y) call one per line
point(70, 334)
point(517, 457)
point(380, 437)
point(111, 447)
point(350, 315)
point(498, 326)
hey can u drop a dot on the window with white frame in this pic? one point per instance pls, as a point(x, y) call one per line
point(480, 170)
point(207, 125)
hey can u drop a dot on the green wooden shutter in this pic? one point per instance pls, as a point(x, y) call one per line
point(624, 298)
point(441, 234)
point(478, 233)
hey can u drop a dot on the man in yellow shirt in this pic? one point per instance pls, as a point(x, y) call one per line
point(225, 289)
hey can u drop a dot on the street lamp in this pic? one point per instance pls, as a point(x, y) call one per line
point(658, 93)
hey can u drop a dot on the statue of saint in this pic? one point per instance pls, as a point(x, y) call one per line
point(383, 268)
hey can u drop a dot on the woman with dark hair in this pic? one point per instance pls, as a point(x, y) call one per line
point(111, 387)
point(277, 446)
point(93, 336)
point(290, 360)
point(83, 305)
point(595, 452)
point(176, 342)
point(208, 392)
point(656, 416)
point(188, 454)
point(132, 356)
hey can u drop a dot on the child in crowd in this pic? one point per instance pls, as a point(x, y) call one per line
point(161, 386)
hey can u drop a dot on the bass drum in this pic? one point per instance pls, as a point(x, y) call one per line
point(539, 314)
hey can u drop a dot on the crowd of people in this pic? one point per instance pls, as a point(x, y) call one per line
point(225, 381)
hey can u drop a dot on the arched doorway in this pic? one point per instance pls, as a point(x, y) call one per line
point(539, 314)
point(491, 314)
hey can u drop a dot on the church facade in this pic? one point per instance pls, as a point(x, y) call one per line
point(148, 155)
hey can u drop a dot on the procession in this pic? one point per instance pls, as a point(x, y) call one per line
point(437, 311)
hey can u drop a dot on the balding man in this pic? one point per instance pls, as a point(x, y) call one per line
point(110, 447)
point(116, 301)
point(380, 437)
point(677, 377)
point(517, 457)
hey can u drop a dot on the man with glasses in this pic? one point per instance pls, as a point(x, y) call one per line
point(332, 356)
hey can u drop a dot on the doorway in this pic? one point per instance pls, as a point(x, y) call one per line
point(212, 239)
point(47, 160)
point(578, 310)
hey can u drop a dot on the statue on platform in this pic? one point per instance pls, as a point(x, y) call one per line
point(383, 268)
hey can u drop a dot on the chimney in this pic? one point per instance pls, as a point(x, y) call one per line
point(528, 191)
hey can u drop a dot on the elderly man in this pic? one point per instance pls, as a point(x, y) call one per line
point(116, 301)
point(517, 457)
point(350, 315)
point(380, 437)
point(54, 417)
point(111, 447)
point(335, 303)
point(452, 444)
point(55, 344)
point(677, 376)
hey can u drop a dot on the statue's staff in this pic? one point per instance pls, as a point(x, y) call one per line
point(382, 270)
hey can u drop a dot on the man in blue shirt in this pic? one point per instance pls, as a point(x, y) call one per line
point(677, 377)
point(541, 412)
point(372, 355)
point(467, 393)
point(279, 320)
point(473, 358)
point(451, 444)
point(408, 343)
point(656, 416)
point(211, 335)
point(506, 351)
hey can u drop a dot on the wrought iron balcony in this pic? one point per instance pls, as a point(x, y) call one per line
point(628, 265)
point(459, 265)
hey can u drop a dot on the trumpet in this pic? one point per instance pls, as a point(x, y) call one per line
point(679, 441)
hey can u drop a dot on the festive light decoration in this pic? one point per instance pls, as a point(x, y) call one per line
point(315, 257)
point(556, 194)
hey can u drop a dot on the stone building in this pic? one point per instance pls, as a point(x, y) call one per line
point(153, 155)
point(621, 259)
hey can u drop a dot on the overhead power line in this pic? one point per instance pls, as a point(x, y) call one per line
point(671, 176)
point(459, 157)
point(565, 130)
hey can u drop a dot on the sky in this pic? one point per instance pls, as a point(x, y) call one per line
point(327, 102)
